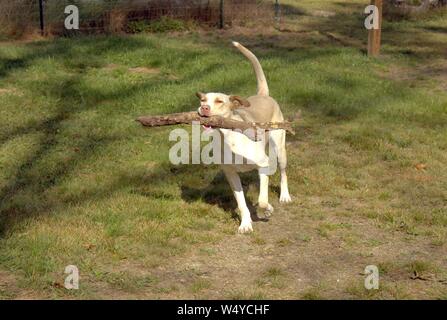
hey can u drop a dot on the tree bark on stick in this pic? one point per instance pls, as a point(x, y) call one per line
point(213, 121)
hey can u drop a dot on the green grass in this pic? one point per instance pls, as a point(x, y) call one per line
point(82, 184)
point(165, 24)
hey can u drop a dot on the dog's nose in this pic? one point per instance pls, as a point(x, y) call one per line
point(205, 109)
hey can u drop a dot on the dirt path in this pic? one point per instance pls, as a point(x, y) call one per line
point(292, 256)
point(9, 288)
point(297, 254)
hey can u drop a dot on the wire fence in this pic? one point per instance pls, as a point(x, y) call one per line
point(97, 16)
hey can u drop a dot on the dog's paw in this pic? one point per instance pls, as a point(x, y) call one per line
point(268, 211)
point(267, 207)
point(245, 227)
point(285, 198)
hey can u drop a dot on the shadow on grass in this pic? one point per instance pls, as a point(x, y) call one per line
point(291, 11)
point(24, 195)
point(344, 27)
point(12, 210)
point(348, 23)
point(218, 192)
point(79, 54)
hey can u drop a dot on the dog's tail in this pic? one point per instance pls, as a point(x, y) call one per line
point(263, 88)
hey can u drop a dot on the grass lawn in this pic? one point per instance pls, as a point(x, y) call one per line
point(82, 184)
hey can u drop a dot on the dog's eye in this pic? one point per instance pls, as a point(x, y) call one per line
point(218, 101)
point(203, 100)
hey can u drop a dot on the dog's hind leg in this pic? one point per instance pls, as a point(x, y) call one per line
point(235, 183)
point(278, 139)
point(263, 200)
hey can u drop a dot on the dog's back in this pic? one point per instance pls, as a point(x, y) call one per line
point(264, 109)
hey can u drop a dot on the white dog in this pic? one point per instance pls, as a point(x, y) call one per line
point(258, 108)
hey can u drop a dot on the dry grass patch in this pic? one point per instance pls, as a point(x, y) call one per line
point(144, 70)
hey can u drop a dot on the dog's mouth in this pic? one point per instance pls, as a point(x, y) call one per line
point(205, 127)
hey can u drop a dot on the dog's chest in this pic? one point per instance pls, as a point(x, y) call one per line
point(241, 152)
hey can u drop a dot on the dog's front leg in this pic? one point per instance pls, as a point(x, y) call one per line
point(235, 182)
point(263, 200)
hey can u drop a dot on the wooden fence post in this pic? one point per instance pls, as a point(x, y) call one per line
point(374, 35)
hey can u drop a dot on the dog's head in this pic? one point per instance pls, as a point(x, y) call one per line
point(219, 104)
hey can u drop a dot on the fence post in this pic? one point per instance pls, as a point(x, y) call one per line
point(42, 25)
point(374, 35)
point(221, 16)
point(277, 14)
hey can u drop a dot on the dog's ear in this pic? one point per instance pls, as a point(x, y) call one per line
point(239, 102)
point(201, 95)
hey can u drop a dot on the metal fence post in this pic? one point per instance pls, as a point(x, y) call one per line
point(221, 16)
point(42, 25)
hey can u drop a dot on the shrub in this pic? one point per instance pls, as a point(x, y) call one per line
point(116, 21)
point(18, 18)
point(164, 24)
point(21, 17)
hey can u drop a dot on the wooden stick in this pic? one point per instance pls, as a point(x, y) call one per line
point(213, 121)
